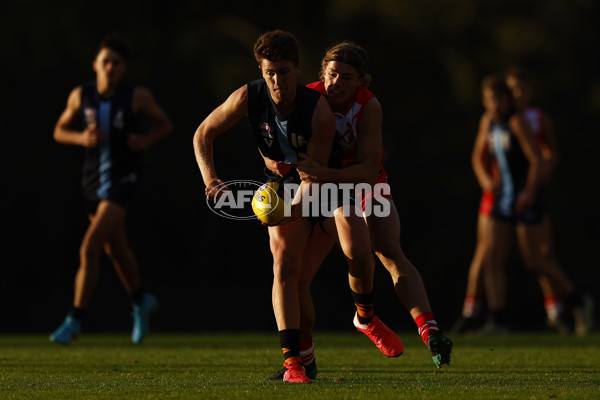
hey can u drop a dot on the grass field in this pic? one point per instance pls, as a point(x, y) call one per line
point(234, 366)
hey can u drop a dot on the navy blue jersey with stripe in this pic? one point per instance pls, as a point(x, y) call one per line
point(111, 163)
point(280, 137)
point(512, 164)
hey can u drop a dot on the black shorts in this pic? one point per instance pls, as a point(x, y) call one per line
point(293, 178)
point(122, 194)
point(532, 216)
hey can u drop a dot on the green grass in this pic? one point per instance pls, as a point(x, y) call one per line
point(234, 366)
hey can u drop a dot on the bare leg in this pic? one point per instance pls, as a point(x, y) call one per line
point(475, 279)
point(287, 243)
point(118, 250)
point(353, 237)
point(536, 255)
point(408, 284)
point(500, 238)
point(103, 224)
point(319, 245)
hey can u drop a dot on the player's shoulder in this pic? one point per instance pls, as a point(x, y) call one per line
point(74, 99)
point(364, 95)
point(517, 122)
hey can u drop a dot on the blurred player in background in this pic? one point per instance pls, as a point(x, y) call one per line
point(567, 310)
point(344, 80)
point(288, 118)
point(103, 116)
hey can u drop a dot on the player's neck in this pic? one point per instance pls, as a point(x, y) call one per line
point(105, 89)
point(285, 107)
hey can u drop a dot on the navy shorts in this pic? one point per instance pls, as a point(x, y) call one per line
point(122, 194)
point(293, 177)
point(532, 216)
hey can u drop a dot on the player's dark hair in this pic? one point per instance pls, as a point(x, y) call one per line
point(496, 84)
point(116, 43)
point(519, 73)
point(277, 45)
point(348, 53)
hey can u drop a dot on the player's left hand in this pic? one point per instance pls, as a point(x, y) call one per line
point(137, 142)
point(308, 168)
point(524, 201)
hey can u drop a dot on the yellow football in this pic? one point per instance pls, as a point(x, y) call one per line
point(267, 205)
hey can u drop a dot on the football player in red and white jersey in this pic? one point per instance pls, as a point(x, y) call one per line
point(560, 295)
point(344, 79)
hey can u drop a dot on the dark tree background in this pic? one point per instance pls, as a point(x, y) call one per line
point(211, 273)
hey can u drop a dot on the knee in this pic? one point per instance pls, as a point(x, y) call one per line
point(89, 250)
point(361, 258)
point(304, 284)
point(115, 253)
point(388, 250)
point(286, 268)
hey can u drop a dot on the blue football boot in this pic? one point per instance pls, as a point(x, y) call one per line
point(141, 317)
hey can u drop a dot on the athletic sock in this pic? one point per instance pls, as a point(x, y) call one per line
point(554, 307)
point(471, 306)
point(307, 352)
point(76, 312)
point(364, 306)
point(427, 325)
point(289, 339)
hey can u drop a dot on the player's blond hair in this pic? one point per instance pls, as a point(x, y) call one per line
point(349, 53)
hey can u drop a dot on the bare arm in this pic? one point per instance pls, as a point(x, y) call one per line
point(145, 105)
point(319, 146)
point(323, 132)
point(479, 155)
point(218, 122)
point(368, 153)
point(63, 130)
point(550, 151)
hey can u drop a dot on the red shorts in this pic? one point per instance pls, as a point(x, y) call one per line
point(364, 196)
point(486, 205)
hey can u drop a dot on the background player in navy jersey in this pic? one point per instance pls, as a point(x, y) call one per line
point(567, 310)
point(508, 140)
point(344, 79)
point(103, 116)
point(278, 108)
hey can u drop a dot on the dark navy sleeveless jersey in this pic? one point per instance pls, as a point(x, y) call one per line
point(281, 137)
point(112, 163)
point(512, 164)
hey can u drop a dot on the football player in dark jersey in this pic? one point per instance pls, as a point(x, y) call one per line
point(281, 111)
point(103, 117)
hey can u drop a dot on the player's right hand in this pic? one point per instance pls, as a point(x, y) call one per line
point(215, 189)
point(93, 136)
point(279, 167)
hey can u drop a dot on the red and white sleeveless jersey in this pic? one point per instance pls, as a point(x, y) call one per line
point(534, 117)
point(347, 122)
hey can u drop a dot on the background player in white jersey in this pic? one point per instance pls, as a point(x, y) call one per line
point(103, 117)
